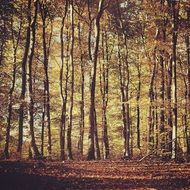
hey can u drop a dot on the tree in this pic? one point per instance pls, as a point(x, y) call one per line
point(24, 82)
point(63, 92)
point(104, 74)
point(71, 59)
point(46, 51)
point(92, 116)
point(30, 83)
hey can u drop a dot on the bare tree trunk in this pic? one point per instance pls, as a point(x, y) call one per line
point(43, 120)
point(23, 89)
point(162, 105)
point(104, 68)
point(97, 147)
point(31, 94)
point(46, 48)
point(150, 137)
point(70, 126)
point(138, 105)
point(124, 87)
point(127, 132)
point(169, 105)
point(63, 97)
point(92, 117)
point(174, 79)
point(82, 124)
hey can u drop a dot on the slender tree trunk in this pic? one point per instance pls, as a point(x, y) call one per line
point(70, 126)
point(169, 105)
point(123, 73)
point(174, 79)
point(64, 94)
point(138, 106)
point(104, 93)
point(31, 93)
point(92, 117)
point(126, 88)
point(46, 48)
point(43, 120)
point(82, 124)
point(150, 137)
point(63, 98)
point(162, 106)
point(23, 89)
point(97, 147)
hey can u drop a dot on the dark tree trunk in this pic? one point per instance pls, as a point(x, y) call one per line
point(92, 116)
point(23, 89)
point(104, 93)
point(124, 88)
point(63, 98)
point(70, 126)
point(98, 155)
point(151, 112)
point(43, 120)
point(46, 48)
point(82, 124)
point(138, 106)
point(174, 78)
point(31, 93)
point(162, 105)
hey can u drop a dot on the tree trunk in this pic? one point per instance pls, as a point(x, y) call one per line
point(151, 112)
point(138, 106)
point(126, 103)
point(43, 120)
point(92, 117)
point(174, 79)
point(63, 98)
point(82, 124)
point(104, 93)
point(162, 105)
point(31, 94)
point(70, 126)
point(23, 89)
point(46, 48)
point(124, 87)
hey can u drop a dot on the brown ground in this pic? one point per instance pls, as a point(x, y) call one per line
point(33, 175)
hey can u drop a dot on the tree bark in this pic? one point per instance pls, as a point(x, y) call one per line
point(138, 106)
point(92, 117)
point(63, 96)
point(174, 78)
point(151, 112)
point(46, 48)
point(104, 73)
point(82, 123)
point(30, 81)
point(70, 126)
point(23, 89)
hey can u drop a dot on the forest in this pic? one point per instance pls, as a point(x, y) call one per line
point(89, 79)
point(94, 94)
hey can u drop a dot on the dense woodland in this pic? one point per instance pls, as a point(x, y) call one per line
point(95, 79)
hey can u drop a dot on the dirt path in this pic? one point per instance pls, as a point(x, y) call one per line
point(30, 175)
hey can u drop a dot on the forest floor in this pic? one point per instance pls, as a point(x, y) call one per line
point(97, 175)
